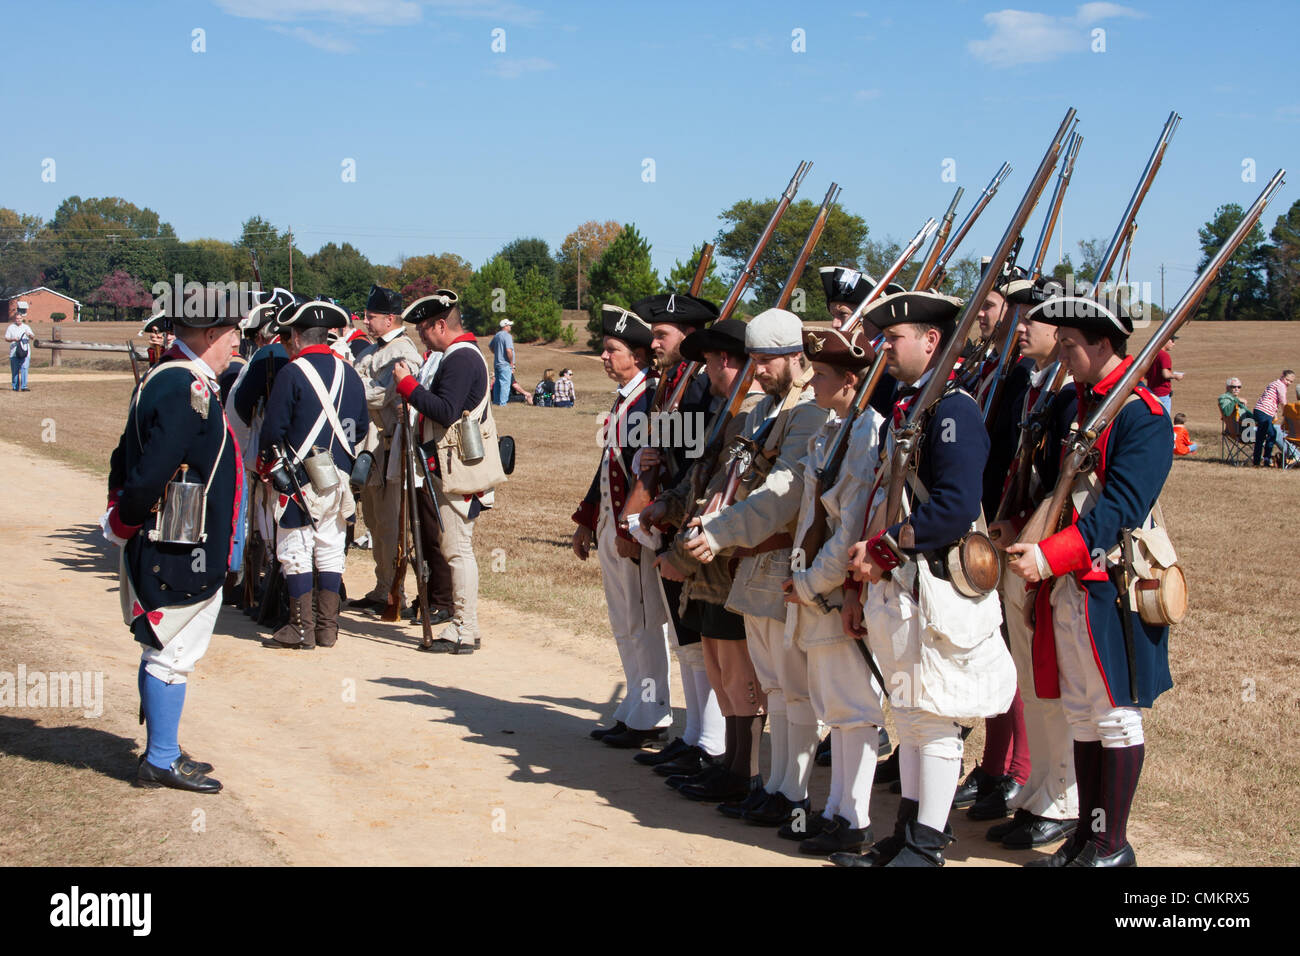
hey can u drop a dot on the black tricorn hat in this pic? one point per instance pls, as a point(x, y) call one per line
point(158, 322)
point(431, 307)
point(1023, 292)
point(384, 300)
point(266, 304)
point(930, 308)
point(284, 314)
point(206, 308)
point(625, 325)
point(677, 308)
point(842, 284)
point(315, 314)
point(1080, 312)
point(727, 336)
point(833, 347)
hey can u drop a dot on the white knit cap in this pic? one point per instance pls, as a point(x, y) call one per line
point(774, 332)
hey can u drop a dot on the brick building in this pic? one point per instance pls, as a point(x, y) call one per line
point(41, 304)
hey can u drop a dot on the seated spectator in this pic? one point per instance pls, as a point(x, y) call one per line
point(518, 393)
point(1230, 404)
point(544, 393)
point(1183, 444)
point(564, 393)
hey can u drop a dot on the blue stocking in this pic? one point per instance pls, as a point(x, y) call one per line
point(162, 704)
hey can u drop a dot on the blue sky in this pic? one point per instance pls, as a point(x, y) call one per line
point(459, 148)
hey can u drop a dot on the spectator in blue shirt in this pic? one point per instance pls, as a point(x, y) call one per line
point(503, 363)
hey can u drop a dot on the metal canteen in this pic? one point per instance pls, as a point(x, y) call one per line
point(322, 474)
point(974, 566)
point(471, 440)
point(181, 517)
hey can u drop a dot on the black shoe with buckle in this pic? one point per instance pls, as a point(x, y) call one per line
point(738, 808)
point(1037, 832)
point(689, 761)
point(601, 732)
point(775, 810)
point(976, 784)
point(836, 837)
point(199, 765)
point(1091, 855)
point(181, 775)
point(1063, 856)
point(631, 738)
point(801, 827)
point(671, 752)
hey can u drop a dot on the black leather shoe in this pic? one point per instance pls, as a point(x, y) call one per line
point(698, 778)
point(881, 852)
point(993, 805)
point(923, 848)
point(850, 859)
point(436, 615)
point(199, 765)
point(1090, 855)
point(1037, 832)
point(823, 758)
point(737, 808)
point(836, 837)
point(367, 604)
point(718, 787)
point(976, 784)
point(1063, 856)
point(999, 830)
point(181, 775)
point(802, 827)
point(774, 811)
point(441, 645)
point(630, 738)
point(691, 761)
point(600, 732)
point(671, 752)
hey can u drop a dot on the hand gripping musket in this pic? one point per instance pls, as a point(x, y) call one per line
point(851, 323)
point(1079, 453)
point(940, 240)
point(905, 439)
point(411, 452)
point(941, 266)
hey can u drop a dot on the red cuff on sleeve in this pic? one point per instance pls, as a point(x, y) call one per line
point(406, 386)
point(1066, 551)
point(586, 515)
point(881, 553)
point(114, 495)
point(852, 586)
point(123, 531)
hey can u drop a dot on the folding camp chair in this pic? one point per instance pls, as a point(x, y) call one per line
point(1237, 440)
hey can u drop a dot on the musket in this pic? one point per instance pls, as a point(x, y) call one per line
point(941, 266)
point(135, 361)
point(1054, 207)
point(747, 271)
point(740, 387)
point(851, 323)
point(908, 436)
point(393, 609)
point(1135, 203)
point(1033, 432)
point(421, 569)
point(828, 474)
point(940, 240)
point(1047, 517)
point(646, 485)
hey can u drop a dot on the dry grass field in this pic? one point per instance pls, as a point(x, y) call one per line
point(1223, 760)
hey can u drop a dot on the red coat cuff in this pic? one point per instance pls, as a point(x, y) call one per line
point(852, 586)
point(586, 515)
point(406, 386)
point(116, 525)
point(1066, 551)
point(881, 553)
point(114, 495)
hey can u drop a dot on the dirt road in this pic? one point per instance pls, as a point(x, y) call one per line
point(371, 753)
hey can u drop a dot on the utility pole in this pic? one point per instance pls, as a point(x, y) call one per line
point(579, 275)
point(1162, 288)
point(291, 258)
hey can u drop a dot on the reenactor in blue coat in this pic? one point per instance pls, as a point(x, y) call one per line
point(1081, 650)
point(176, 496)
point(316, 411)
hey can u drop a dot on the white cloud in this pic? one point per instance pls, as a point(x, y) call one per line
point(375, 12)
point(513, 69)
point(319, 40)
point(378, 12)
point(1020, 36)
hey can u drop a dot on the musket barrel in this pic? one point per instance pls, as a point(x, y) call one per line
point(985, 197)
point(940, 239)
point(1054, 208)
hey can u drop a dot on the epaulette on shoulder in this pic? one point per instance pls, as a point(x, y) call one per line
point(1153, 403)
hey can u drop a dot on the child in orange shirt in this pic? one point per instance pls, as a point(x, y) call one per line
point(1183, 444)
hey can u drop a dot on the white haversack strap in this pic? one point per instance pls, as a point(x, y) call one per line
point(328, 411)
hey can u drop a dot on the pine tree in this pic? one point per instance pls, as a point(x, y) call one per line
point(490, 297)
point(621, 276)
